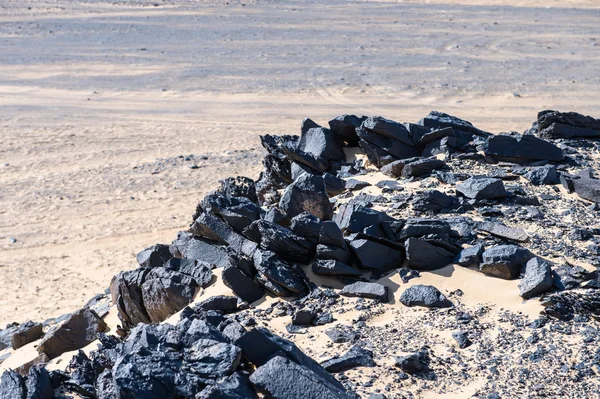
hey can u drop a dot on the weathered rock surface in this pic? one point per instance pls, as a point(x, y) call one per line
point(362, 289)
point(505, 261)
point(424, 295)
point(537, 279)
point(482, 188)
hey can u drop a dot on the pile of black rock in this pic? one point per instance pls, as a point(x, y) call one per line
point(311, 208)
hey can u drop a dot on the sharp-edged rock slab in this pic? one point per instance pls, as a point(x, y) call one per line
point(537, 279)
point(357, 356)
point(373, 255)
point(363, 289)
point(482, 188)
point(422, 255)
point(567, 125)
point(516, 147)
point(306, 194)
point(505, 261)
point(502, 231)
point(334, 268)
point(26, 333)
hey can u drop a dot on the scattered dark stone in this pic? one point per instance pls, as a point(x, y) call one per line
point(543, 175)
point(439, 120)
point(567, 277)
point(424, 295)
point(331, 234)
point(434, 200)
point(331, 252)
point(321, 143)
point(77, 331)
point(505, 261)
point(537, 279)
point(482, 188)
point(422, 167)
point(354, 218)
point(354, 185)
point(188, 246)
point(212, 227)
point(303, 317)
point(279, 272)
point(165, 292)
point(200, 271)
point(357, 356)
point(236, 386)
point(407, 274)
point(389, 186)
point(413, 363)
point(284, 242)
point(223, 303)
point(26, 333)
point(462, 339)
point(340, 336)
point(362, 289)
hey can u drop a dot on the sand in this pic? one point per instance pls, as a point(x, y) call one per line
point(100, 102)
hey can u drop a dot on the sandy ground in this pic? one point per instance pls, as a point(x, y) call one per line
point(101, 103)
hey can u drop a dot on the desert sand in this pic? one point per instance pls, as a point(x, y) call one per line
point(117, 117)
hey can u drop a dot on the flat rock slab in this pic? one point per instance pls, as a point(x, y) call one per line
point(362, 289)
point(502, 231)
point(482, 188)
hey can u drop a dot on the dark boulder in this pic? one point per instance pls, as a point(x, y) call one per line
point(462, 339)
point(354, 218)
point(303, 317)
point(585, 185)
point(12, 386)
point(79, 330)
point(537, 279)
point(434, 200)
point(422, 167)
point(222, 303)
point(214, 228)
point(306, 194)
point(439, 120)
point(354, 185)
point(520, 148)
point(383, 148)
point(188, 246)
point(307, 226)
point(543, 175)
point(482, 188)
point(149, 376)
point(200, 271)
point(334, 268)
point(471, 256)
point(154, 256)
point(362, 289)
point(26, 333)
point(505, 261)
point(126, 294)
point(331, 252)
point(283, 242)
point(333, 184)
point(339, 336)
point(344, 128)
point(502, 231)
point(6, 335)
point(331, 234)
point(165, 292)
point(413, 363)
point(321, 142)
point(238, 186)
point(212, 359)
point(275, 269)
point(281, 378)
point(236, 386)
point(420, 227)
point(425, 255)
point(424, 295)
point(567, 125)
point(357, 356)
point(241, 284)
point(376, 256)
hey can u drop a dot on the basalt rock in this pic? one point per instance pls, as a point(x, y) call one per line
point(519, 148)
point(222, 303)
point(502, 231)
point(362, 289)
point(306, 194)
point(282, 241)
point(126, 293)
point(188, 246)
point(241, 284)
point(275, 269)
point(482, 188)
point(26, 333)
point(77, 331)
point(354, 218)
point(567, 125)
point(236, 386)
point(505, 261)
point(357, 356)
point(331, 252)
point(470, 256)
point(413, 363)
point(422, 167)
point(165, 292)
point(212, 227)
point(537, 279)
point(334, 268)
point(425, 255)
point(12, 386)
point(424, 295)
point(306, 225)
point(439, 120)
point(344, 128)
point(154, 256)
point(543, 175)
point(434, 200)
point(321, 142)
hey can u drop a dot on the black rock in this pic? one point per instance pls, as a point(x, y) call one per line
point(150, 376)
point(462, 339)
point(239, 186)
point(373, 255)
point(354, 218)
point(504, 261)
point(26, 333)
point(331, 234)
point(307, 226)
point(237, 212)
point(334, 268)
point(165, 292)
point(241, 284)
point(236, 386)
point(362, 289)
point(212, 359)
point(321, 142)
point(306, 194)
point(214, 228)
point(567, 125)
point(502, 231)
point(340, 336)
point(388, 128)
point(276, 270)
point(586, 186)
point(188, 246)
point(333, 184)
point(154, 256)
point(283, 242)
point(482, 188)
point(126, 293)
point(520, 148)
point(6, 335)
point(344, 127)
point(260, 345)
point(223, 303)
point(79, 330)
point(439, 120)
point(303, 317)
point(331, 252)
point(357, 356)
point(567, 277)
point(413, 363)
point(407, 274)
point(537, 279)
point(424, 295)
point(470, 256)
point(281, 378)
point(381, 150)
point(200, 271)
point(419, 227)
point(425, 255)
point(434, 200)
point(422, 167)
point(354, 185)
point(12, 386)
point(543, 175)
